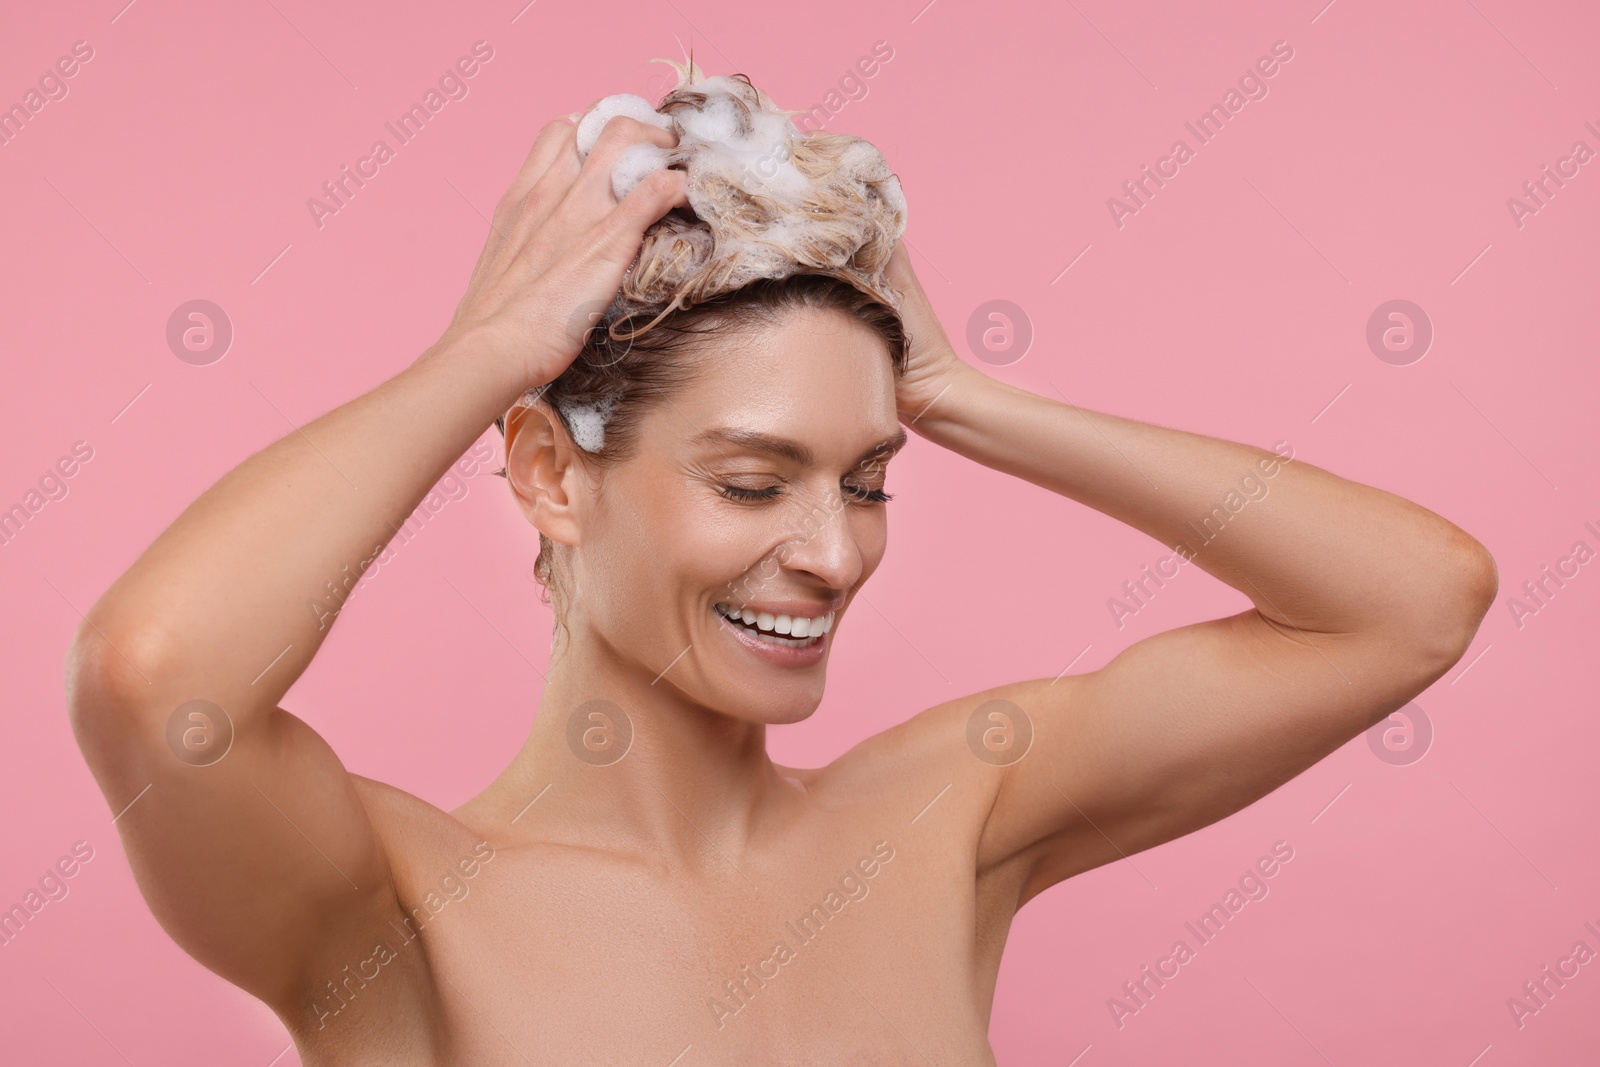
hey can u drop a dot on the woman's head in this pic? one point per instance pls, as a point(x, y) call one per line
point(720, 440)
point(681, 510)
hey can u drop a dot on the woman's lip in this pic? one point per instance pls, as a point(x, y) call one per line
point(778, 655)
point(791, 608)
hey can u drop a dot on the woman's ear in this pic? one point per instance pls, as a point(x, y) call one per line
point(545, 471)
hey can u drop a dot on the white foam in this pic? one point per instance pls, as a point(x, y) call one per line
point(634, 163)
point(626, 104)
point(712, 142)
point(587, 422)
point(755, 213)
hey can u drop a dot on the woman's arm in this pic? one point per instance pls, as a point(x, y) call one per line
point(1362, 599)
point(263, 860)
point(1315, 552)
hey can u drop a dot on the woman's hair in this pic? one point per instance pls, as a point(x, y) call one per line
point(775, 222)
point(631, 375)
point(764, 201)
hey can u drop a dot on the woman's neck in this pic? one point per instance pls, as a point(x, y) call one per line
point(621, 760)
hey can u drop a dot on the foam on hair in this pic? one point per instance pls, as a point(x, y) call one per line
point(765, 201)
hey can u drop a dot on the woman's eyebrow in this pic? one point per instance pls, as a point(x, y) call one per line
point(791, 450)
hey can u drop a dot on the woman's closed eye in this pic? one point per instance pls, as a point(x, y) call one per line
point(858, 492)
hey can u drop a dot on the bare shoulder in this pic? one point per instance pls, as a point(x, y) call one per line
point(932, 771)
point(934, 781)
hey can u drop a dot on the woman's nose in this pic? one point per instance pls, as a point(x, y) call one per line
point(823, 542)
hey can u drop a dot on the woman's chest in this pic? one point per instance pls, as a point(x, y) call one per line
point(855, 950)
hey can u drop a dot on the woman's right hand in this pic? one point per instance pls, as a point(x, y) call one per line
point(558, 246)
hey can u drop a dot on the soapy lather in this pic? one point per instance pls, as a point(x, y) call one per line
point(765, 201)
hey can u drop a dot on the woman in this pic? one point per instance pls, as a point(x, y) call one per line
point(643, 884)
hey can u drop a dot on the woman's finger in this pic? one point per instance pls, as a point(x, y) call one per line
point(523, 209)
point(554, 136)
point(589, 199)
point(596, 261)
point(617, 238)
point(508, 228)
point(541, 203)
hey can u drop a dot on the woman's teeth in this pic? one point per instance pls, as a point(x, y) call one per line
point(796, 630)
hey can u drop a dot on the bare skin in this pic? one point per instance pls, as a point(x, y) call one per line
point(603, 902)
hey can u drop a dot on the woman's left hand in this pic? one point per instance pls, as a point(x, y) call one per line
point(932, 365)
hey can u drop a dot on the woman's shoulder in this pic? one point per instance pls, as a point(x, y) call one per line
point(924, 761)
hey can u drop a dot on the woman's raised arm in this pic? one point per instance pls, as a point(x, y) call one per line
point(255, 857)
point(1362, 599)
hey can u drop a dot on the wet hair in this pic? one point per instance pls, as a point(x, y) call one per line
point(776, 222)
point(632, 375)
point(764, 201)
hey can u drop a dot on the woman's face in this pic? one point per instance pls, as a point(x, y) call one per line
point(753, 488)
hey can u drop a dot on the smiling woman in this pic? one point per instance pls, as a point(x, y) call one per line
point(705, 470)
point(743, 470)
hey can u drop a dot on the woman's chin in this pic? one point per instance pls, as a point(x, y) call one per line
point(772, 715)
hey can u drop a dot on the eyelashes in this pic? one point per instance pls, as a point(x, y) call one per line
point(734, 492)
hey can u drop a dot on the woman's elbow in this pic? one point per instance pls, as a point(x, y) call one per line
point(110, 669)
point(1467, 585)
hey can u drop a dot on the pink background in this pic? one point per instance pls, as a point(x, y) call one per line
point(1234, 304)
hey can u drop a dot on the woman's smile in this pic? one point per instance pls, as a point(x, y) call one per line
point(763, 633)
